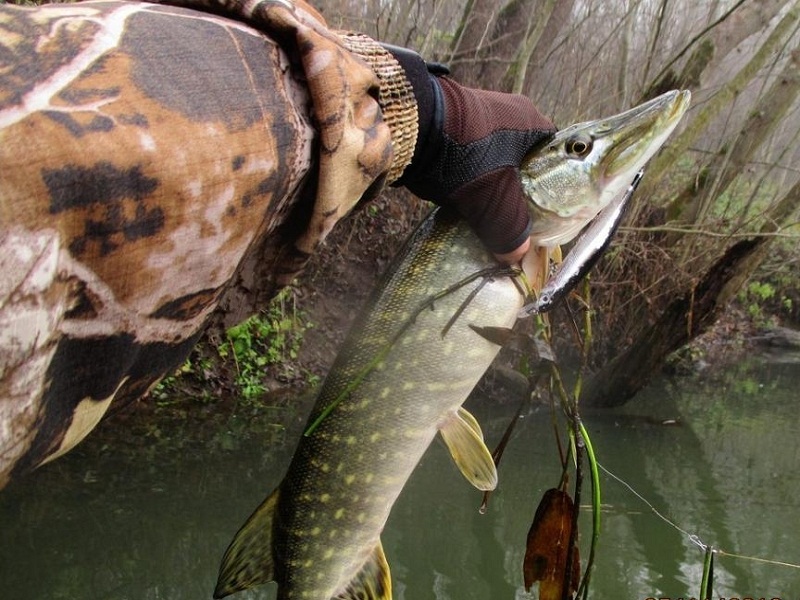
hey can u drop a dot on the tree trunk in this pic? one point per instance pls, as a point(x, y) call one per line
point(679, 146)
point(623, 91)
point(743, 20)
point(495, 45)
point(515, 76)
point(473, 33)
point(689, 316)
point(693, 203)
point(559, 19)
point(683, 320)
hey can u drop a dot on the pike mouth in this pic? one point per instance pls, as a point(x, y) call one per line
point(637, 134)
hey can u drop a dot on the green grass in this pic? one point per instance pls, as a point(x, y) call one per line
point(258, 350)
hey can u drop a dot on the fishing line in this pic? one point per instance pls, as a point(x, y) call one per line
point(692, 537)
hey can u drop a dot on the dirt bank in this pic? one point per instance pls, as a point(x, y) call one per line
point(340, 278)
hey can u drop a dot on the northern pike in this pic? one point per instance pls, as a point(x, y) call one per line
point(409, 363)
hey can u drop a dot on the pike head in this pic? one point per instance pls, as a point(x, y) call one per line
point(587, 165)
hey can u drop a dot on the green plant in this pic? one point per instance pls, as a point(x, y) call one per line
point(754, 298)
point(263, 346)
point(270, 339)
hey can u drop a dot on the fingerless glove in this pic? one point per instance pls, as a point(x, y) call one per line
point(469, 149)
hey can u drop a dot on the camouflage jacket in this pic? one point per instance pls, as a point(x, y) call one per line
point(152, 160)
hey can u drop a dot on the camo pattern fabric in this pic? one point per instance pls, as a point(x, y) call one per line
point(356, 149)
point(146, 151)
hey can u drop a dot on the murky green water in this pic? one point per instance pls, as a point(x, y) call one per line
point(98, 525)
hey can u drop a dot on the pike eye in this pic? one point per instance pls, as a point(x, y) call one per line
point(579, 147)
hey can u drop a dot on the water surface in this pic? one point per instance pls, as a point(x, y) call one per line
point(150, 519)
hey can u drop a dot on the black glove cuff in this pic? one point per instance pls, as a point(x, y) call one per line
point(430, 108)
point(513, 244)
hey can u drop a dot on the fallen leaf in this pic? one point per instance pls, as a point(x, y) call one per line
point(547, 547)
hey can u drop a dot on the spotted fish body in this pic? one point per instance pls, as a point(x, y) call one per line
point(403, 373)
point(327, 515)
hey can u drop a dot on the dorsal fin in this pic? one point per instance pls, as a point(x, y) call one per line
point(464, 439)
point(373, 582)
point(248, 561)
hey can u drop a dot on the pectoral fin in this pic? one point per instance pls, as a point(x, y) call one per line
point(248, 561)
point(464, 439)
point(373, 582)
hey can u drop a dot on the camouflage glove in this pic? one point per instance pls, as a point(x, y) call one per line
point(469, 149)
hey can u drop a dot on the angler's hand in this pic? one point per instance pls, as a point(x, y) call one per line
point(470, 146)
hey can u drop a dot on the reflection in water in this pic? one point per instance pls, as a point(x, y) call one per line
point(99, 525)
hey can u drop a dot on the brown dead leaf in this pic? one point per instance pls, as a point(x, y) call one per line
point(548, 543)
